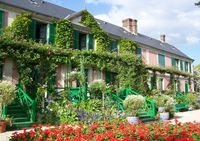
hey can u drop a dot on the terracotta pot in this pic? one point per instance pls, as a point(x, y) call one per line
point(2, 126)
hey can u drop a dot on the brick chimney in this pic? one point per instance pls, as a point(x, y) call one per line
point(162, 38)
point(130, 25)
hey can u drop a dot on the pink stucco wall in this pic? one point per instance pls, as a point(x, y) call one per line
point(182, 85)
point(15, 73)
point(153, 59)
point(6, 19)
point(166, 83)
point(168, 61)
point(59, 76)
point(144, 54)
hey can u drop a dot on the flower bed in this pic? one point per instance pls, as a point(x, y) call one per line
point(113, 132)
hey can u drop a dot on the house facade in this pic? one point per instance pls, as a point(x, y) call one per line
point(154, 53)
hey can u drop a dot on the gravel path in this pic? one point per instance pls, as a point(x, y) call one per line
point(183, 117)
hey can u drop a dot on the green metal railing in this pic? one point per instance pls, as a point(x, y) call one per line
point(184, 104)
point(27, 103)
point(149, 108)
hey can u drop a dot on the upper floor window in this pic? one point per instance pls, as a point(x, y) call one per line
point(161, 60)
point(38, 31)
point(186, 67)
point(113, 47)
point(181, 64)
point(138, 52)
point(175, 63)
point(83, 40)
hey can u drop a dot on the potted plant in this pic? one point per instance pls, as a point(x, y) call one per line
point(132, 105)
point(7, 95)
point(165, 105)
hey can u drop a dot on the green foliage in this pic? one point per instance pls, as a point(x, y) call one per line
point(127, 46)
point(7, 93)
point(20, 27)
point(103, 40)
point(75, 75)
point(64, 34)
point(97, 88)
point(133, 103)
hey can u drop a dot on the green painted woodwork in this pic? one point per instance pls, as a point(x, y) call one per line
point(33, 29)
point(82, 41)
point(76, 39)
point(139, 51)
point(161, 60)
point(1, 21)
point(52, 33)
point(186, 87)
point(186, 66)
point(190, 68)
point(185, 102)
point(113, 47)
point(181, 64)
point(173, 62)
point(90, 41)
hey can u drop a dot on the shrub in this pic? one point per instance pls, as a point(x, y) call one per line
point(7, 93)
point(97, 88)
point(133, 103)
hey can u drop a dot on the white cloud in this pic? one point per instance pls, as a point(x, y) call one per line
point(178, 19)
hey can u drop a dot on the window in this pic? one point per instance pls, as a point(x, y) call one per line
point(113, 47)
point(175, 63)
point(1, 21)
point(82, 41)
point(138, 52)
point(181, 64)
point(161, 60)
point(190, 68)
point(186, 66)
point(38, 31)
point(160, 84)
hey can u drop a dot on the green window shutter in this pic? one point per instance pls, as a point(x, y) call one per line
point(173, 62)
point(190, 68)
point(186, 87)
point(91, 41)
point(1, 21)
point(76, 39)
point(33, 29)
point(186, 66)
point(161, 60)
point(114, 46)
point(139, 51)
point(181, 64)
point(52, 33)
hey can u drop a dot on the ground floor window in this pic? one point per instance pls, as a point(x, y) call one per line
point(161, 84)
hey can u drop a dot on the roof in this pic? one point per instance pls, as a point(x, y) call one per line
point(140, 38)
point(40, 6)
point(49, 9)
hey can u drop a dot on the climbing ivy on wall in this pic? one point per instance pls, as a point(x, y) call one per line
point(103, 40)
point(64, 34)
point(127, 46)
point(20, 27)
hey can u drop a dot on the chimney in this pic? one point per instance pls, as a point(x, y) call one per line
point(130, 25)
point(162, 38)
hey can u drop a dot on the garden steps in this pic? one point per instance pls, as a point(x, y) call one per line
point(20, 117)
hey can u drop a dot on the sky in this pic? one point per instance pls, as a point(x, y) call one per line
point(179, 20)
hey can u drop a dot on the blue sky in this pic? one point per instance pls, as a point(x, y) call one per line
point(179, 20)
